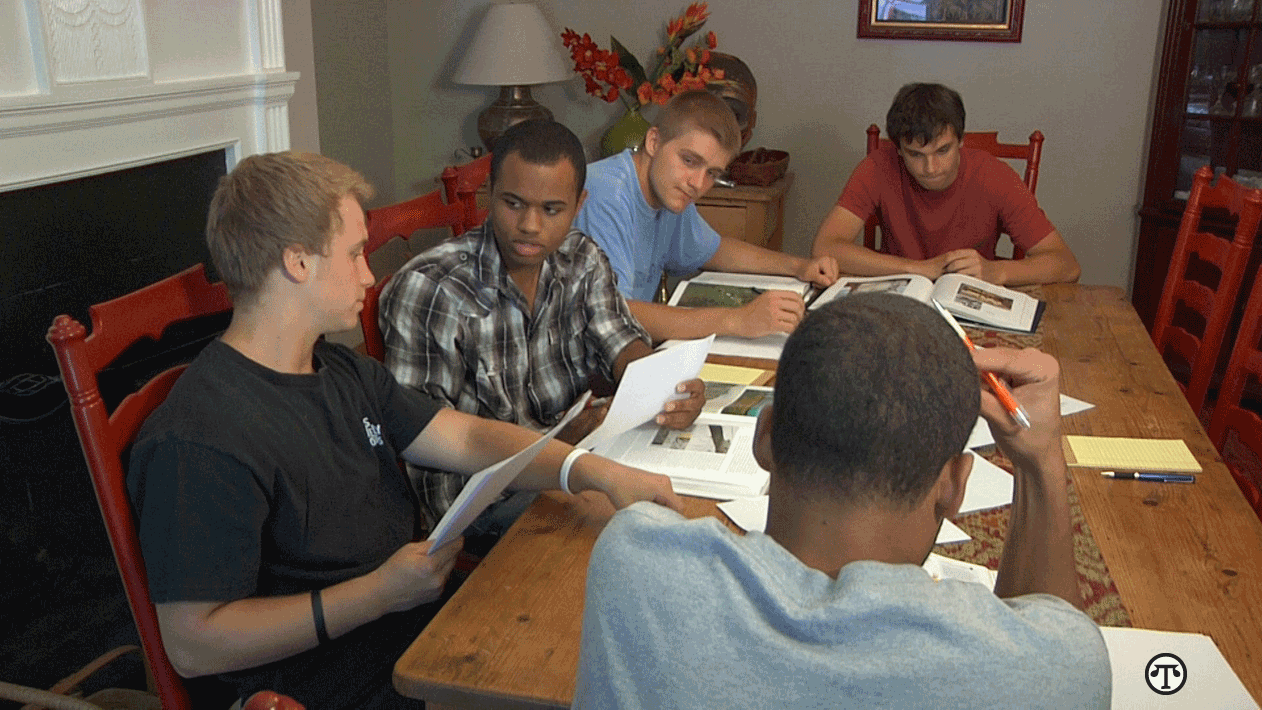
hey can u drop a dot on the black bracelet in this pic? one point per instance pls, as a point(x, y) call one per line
point(317, 611)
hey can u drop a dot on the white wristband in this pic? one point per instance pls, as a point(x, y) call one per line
point(566, 465)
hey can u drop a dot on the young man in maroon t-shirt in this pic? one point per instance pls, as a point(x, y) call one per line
point(942, 206)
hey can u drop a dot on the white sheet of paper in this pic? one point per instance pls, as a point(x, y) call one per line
point(750, 514)
point(940, 567)
point(646, 385)
point(981, 436)
point(988, 487)
point(1210, 683)
point(486, 485)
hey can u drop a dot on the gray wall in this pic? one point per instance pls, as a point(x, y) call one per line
point(1083, 74)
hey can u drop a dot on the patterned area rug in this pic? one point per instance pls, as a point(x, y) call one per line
point(988, 527)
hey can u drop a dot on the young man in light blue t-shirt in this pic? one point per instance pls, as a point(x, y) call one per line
point(640, 209)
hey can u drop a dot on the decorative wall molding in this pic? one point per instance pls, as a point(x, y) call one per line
point(271, 36)
point(102, 111)
point(95, 40)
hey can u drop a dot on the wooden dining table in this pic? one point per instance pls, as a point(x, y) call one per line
point(1183, 557)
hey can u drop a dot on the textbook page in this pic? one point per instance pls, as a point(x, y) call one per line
point(910, 285)
point(485, 486)
point(713, 458)
point(720, 289)
point(1208, 681)
point(982, 302)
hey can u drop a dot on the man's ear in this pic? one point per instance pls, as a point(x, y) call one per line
point(949, 491)
point(652, 141)
point(296, 264)
point(762, 439)
point(582, 197)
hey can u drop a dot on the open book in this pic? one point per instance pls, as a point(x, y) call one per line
point(713, 458)
point(968, 299)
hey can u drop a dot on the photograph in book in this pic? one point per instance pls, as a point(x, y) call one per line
point(971, 300)
point(739, 400)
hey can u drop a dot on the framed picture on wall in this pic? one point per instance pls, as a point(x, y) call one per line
point(960, 20)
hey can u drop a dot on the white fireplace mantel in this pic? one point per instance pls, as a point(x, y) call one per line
point(92, 86)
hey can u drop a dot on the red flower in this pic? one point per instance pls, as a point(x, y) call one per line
point(644, 93)
point(711, 39)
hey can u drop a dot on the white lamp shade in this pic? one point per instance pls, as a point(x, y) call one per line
point(514, 45)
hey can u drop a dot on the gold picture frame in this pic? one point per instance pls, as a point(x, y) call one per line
point(954, 20)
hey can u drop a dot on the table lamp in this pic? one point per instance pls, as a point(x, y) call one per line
point(514, 48)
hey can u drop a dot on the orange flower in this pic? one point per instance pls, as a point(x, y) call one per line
point(692, 55)
point(705, 56)
point(711, 39)
point(718, 74)
point(667, 82)
point(644, 93)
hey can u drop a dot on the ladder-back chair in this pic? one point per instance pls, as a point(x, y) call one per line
point(1187, 287)
point(401, 220)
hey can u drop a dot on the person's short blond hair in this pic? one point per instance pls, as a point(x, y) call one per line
point(699, 110)
point(270, 202)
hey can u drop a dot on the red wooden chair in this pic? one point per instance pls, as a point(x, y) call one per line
point(1187, 282)
point(1229, 415)
point(105, 436)
point(461, 183)
point(401, 220)
point(982, 140)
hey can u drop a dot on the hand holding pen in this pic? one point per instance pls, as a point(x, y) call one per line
point(1002, 393)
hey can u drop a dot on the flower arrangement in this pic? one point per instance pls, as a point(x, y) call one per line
point(616, 73)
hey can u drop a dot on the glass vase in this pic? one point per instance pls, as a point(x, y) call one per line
point(627, 132)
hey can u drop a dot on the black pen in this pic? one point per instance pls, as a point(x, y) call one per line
point(1155, 477)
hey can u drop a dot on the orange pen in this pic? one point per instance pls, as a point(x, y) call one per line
point(1002, 393)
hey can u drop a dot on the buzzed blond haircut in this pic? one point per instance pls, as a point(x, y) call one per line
point(699, 110)
point(270, 202)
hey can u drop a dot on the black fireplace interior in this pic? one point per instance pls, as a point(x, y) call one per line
point(64, 247)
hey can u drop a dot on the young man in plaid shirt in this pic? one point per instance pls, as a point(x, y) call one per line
point(512, 320)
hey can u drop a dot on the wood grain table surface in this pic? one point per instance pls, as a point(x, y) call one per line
point(1183, 557)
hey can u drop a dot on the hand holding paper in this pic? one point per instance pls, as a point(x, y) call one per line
point(647, 385)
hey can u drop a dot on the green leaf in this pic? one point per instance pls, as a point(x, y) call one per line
point(629, 63)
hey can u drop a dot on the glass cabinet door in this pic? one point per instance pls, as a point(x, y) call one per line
point(1222, 121)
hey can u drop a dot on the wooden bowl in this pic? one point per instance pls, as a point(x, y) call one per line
point(759, 167)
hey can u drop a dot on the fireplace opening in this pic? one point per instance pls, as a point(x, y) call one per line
point(63, 247)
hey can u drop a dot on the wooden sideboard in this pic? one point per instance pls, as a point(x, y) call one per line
point(747, 212)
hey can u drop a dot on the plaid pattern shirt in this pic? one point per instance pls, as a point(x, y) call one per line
point(458, 328)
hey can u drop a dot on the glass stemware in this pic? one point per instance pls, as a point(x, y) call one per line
point(1224, 105)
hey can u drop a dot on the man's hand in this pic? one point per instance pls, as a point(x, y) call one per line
point(1035, 380)
point(772, 312)
point(680, 413)
point(821, 271)
point(622, 484)
point(970, 263)
point(585, 422)
point(415, 574)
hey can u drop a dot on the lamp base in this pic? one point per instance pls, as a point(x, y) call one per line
point(514, 105)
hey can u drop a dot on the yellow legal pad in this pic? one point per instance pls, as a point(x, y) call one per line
point(1127, 454)
point(731, 374)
